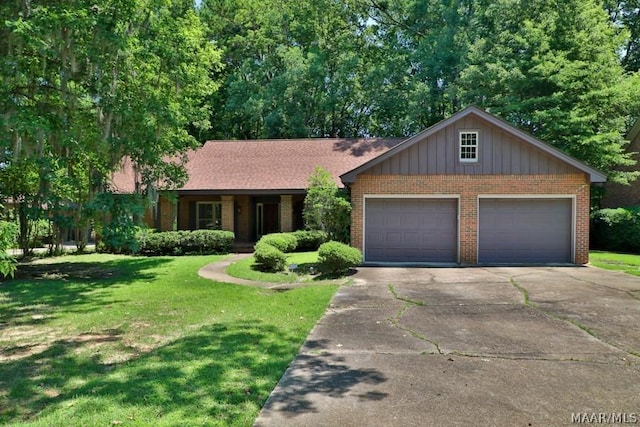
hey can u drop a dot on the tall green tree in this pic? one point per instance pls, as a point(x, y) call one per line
point(426, 44)
point(625, 14)
point(326, 207)
point(552, 68)
point(88, 83)
point(294, 69)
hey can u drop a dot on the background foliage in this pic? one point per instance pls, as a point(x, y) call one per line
point(564, 71)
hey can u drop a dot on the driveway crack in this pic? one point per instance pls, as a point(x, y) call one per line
point(630, 293)
point(488, 357)
point(528, 303)
point(396, 320)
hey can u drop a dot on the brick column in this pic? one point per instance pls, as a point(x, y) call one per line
point(286, 213)
point(468, 226)
point(227, 213)
point(583, 204)
point(168, 214)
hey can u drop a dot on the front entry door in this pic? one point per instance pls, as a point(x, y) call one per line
point(267, 218)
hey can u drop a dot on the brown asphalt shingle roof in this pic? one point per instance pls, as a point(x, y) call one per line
point(283, 164)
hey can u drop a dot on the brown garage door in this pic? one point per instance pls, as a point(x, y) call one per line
point(411, 230)
point(533, 231)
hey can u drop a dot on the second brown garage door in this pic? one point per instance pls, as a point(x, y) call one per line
point(411, 230)
point(531, 231)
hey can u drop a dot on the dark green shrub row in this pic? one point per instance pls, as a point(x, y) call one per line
point(186, 242)
point(616, 229)
point(336, 257)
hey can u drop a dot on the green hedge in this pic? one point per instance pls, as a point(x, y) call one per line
point(309, 240)
point(336, 257)
point(616, 229)
point(285, 242)
point(186, 242)
point(268, 257)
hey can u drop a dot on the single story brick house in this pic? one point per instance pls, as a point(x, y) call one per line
point(471, 189)
point(252, 187)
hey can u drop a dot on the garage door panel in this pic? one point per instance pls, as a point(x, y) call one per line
point(525, 231)
point(411, 230)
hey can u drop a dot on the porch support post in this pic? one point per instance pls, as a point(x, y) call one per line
point(228, 214)
point(286, 213)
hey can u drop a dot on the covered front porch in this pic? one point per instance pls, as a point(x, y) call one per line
point(248, 215)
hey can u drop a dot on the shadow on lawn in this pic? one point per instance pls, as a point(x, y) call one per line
point(40, 288)
point(223, 372)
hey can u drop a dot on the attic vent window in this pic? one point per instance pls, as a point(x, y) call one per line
point(468, 147)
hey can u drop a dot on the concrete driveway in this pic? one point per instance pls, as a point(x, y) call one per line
point(508, 346)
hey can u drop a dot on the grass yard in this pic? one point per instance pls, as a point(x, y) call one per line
point(628, 263)
point(245, 269)
point(114, 340)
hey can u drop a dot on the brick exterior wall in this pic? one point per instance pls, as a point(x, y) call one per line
point(468, 187)
point(228, 213)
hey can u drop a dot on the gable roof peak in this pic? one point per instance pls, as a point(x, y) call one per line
point(594, 175)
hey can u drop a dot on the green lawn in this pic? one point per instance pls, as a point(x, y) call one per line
point(246, 269)
point(115, 340)
point(628, 263)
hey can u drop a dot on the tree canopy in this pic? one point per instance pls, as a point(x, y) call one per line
point(562, 70)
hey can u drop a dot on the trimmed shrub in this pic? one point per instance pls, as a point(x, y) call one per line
point(187, 242)
point(335, 257)
point(207, 242)
point(285, 242)
point(309, 240)
point(616, 229)
point(268, 257)
point(163, 243)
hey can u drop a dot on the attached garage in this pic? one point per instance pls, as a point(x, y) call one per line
point(411, 230)
point(472, 189)
point(522, 230)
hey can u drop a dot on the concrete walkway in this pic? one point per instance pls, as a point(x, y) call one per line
point(217, 271)
point(469, 346)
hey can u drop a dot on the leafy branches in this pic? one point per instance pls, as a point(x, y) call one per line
point(86, 84)
point(326, 208)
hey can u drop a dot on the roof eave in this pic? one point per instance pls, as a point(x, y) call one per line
point(262, 191)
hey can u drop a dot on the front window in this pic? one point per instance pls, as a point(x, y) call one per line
point(468, 147)
point(209, 215)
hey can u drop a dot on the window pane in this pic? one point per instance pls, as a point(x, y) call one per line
point(469, 146)
point(209, 216)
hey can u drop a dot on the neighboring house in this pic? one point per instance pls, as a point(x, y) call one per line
point(472, 189)
point(252, 187)
point(618, 195)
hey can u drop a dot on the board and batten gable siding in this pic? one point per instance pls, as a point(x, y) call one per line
point(499, 153)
